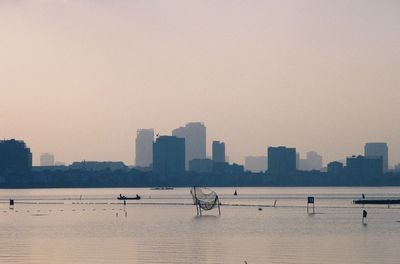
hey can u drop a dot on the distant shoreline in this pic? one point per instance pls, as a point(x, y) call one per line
point(132, 178)
point(211, 186)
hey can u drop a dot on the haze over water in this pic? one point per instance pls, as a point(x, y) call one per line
point(61, 226)
point(79, 77)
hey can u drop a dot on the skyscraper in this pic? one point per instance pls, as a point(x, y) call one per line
point(375, 150)
point(144, 147)
point(218, 151)
point(281, 161)
point(169, 155)
point(195, 140)
point(314, 160)
point(15, 155)
point(47, 159)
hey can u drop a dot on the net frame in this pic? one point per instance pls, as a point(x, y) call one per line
point(204, 198)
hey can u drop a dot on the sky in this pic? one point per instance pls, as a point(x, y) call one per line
point(79, 77)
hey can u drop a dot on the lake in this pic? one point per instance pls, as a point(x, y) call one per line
point(92, 226)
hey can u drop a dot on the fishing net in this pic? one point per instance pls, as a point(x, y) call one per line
point(205, 198)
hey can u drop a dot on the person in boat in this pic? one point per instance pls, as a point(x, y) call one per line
point(122, 196)
point(235, 193)
point(137, 196)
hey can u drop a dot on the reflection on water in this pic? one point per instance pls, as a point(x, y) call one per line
point(91, 226)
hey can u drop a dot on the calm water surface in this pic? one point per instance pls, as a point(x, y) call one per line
point(91, 226)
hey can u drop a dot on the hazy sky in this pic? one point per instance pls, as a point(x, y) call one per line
point(77, 78)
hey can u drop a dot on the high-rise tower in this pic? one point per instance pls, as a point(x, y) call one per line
point(195, 140)
point(144, 147)
point(375, 150)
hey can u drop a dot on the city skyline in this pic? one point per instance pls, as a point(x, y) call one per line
point(144, 147)
point(319, 76)
point(168, 167)
point(300, 162)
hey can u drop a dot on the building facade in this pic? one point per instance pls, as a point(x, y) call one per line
point(15, 155)
point(144, 147)
point(360, 167)
point(169, 155)
point(218, 151)
point(98, 165)
point(335, 167)
point(281, 161)
point(47, 159)
point(195, 140)
point(312, 162)
point(201, 165)
point(378, 149)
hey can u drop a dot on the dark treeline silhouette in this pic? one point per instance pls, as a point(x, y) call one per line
point(72, 178)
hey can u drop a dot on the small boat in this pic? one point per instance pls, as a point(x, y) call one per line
point(162, 188)
point(123, 197)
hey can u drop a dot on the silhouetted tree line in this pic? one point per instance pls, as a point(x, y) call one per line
point(135, 178)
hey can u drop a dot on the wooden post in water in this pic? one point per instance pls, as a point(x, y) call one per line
point(364, 217)
point(196, 202)
point(219, 204)
point(310, 200)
